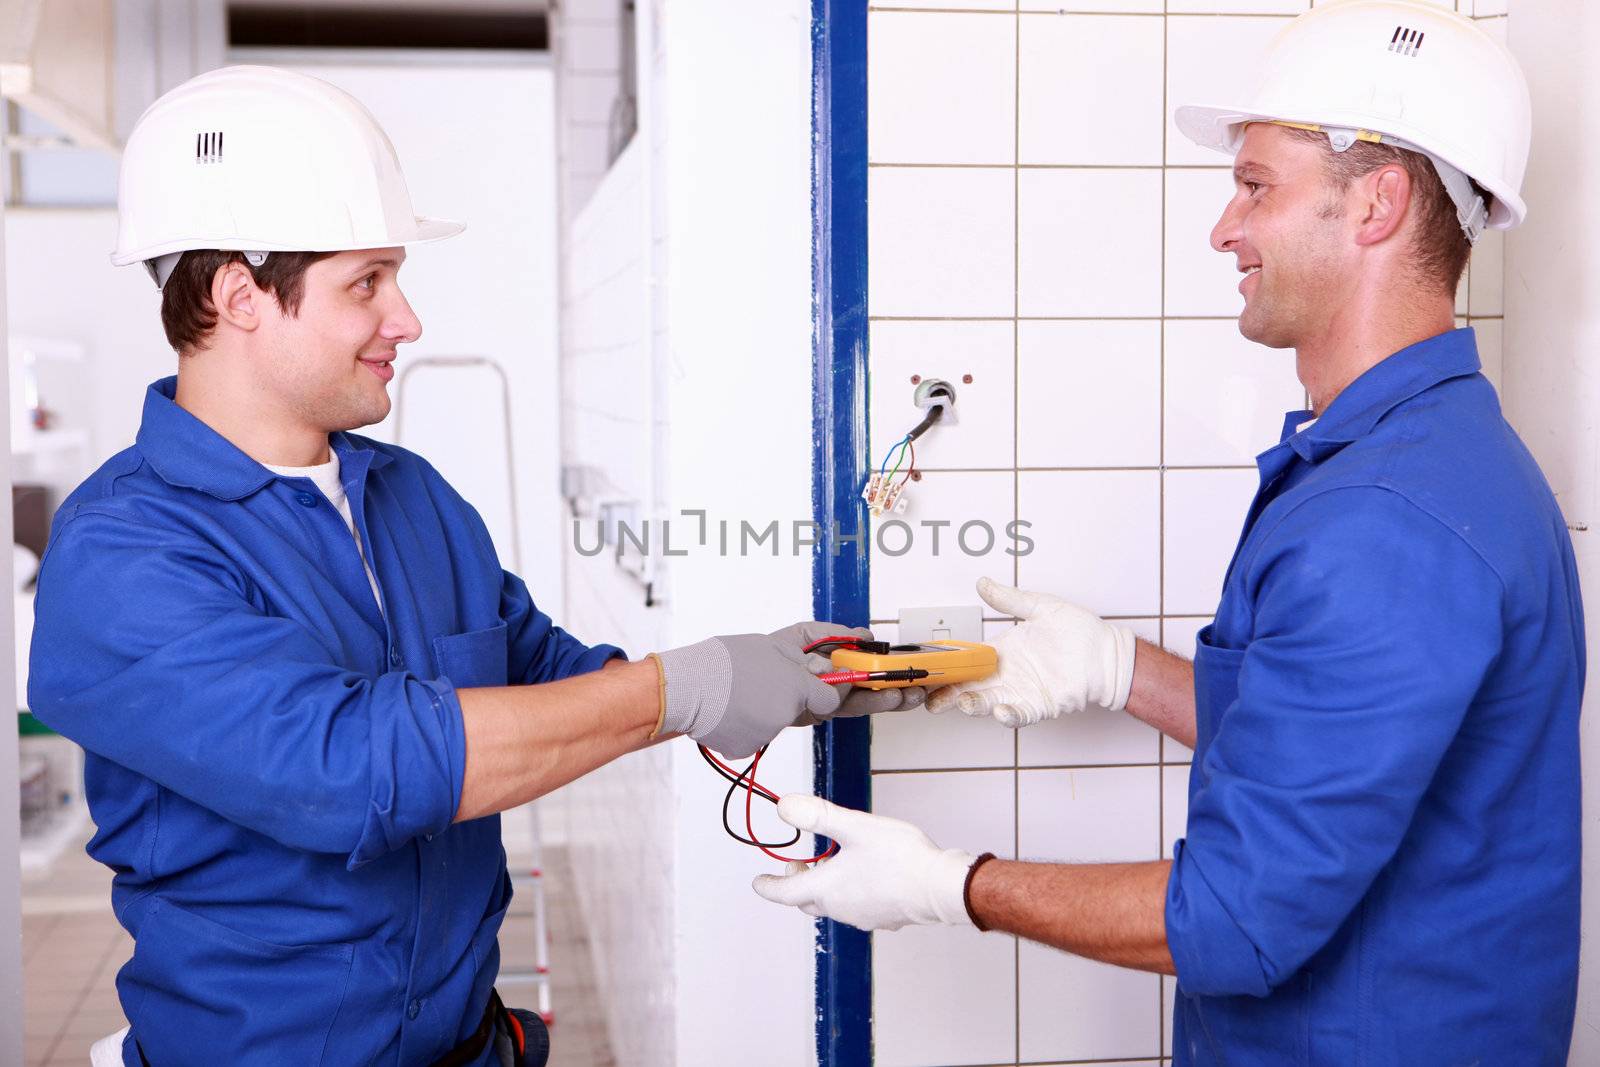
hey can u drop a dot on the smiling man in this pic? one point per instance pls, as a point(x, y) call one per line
point(1381, 863)
point(304, 682)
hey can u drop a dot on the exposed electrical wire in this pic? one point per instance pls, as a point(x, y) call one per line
point(887, 456)
point(905, 443)
point(735, 780)
point(749, 797)
point(882, 493)
point(912, 468)
point(746, 779)
point(728, 774)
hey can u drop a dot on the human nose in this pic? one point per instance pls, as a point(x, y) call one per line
point(402, 325)
point(1229, 230)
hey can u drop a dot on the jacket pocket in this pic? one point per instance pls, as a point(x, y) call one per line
point(475, 658)
point(1216, 687)
point(204, 992)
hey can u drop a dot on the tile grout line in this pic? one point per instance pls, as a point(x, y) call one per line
point(1161, 536)
point(1107, 618)
point(1024, 768)
point(888, 165)
point(1175, 467)
point(1065, 318)
point(1016, 477)
point(1059, 12)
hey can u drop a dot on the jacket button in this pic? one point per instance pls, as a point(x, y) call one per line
point(394, 656)
point(413, 1009)
point(307, 499)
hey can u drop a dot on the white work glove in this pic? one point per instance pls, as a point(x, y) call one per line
point(1058, 660)
point(886, 874)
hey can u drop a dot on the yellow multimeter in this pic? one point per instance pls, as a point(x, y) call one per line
point(946, 662)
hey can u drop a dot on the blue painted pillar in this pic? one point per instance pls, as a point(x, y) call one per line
point(840, 460)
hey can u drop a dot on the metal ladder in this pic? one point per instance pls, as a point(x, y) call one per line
point(531, 882)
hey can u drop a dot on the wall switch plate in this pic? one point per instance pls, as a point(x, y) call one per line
point(962, 622)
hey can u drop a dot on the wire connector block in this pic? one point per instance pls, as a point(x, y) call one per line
point(882, 496)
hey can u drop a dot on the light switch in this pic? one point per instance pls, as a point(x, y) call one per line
point(926, 625)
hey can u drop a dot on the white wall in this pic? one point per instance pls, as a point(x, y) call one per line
point(737, 186)
point(686, 376)
point(1552, 382)
point(10, 828)
point(1057, 252)
point(619, 825)
point(62, 285)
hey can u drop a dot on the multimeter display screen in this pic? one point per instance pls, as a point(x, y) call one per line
point(906, 650)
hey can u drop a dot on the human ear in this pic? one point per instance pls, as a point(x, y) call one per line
point(1385, 195)
point(236, 298)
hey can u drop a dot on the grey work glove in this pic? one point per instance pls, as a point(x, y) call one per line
point(734, 694)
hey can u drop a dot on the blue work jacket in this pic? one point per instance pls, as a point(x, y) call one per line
point(1382, 860)
point(273, 763)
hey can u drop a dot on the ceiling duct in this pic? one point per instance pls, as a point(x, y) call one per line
point(57, 60)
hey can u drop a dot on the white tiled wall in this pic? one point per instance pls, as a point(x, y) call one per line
point(586, 42)
point(613, 818)
point(1039, 236)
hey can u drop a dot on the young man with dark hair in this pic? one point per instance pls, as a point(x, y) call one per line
point(304, 682)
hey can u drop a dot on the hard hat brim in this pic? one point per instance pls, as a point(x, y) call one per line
point(1213, 127)
point(426, 231)
point(430, 230)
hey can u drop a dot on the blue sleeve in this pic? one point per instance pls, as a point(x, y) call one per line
point(147, 652)
point(541, 651)
point(1375, 626)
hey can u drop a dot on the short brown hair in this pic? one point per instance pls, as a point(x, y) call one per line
point(1441, 246)
point(187, 314)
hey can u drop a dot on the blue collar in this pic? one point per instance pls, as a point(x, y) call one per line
point(186, 452)
point(1384, 387)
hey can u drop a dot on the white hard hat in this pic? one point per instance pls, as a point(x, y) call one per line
point(1398, 72)
point(258, 160)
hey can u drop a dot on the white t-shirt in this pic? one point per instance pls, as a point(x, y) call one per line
point(326, 476)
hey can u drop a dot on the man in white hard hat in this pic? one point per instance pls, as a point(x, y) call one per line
point(303, 680)
point(1382, 855)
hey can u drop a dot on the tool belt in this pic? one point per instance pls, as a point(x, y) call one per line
point(493, 1015)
